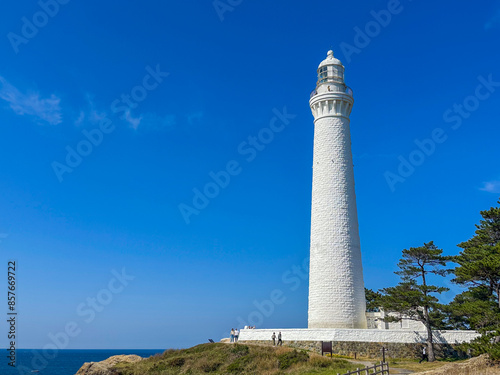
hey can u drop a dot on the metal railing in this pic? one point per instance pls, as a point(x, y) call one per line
point(382, 369)
point(348, 91)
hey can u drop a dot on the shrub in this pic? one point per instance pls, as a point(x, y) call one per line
point(321, 362)
point(159, 366)
point(169, 352)
point(487, 343)
point(240, 350)
point(207, 365)
point(239, 365)
point(176, 362)
point(291, 358)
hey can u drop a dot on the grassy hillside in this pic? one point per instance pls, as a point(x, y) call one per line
point(235, 359)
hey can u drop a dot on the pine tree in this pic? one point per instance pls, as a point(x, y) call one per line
point(372, 300)
point(473, 309)
point(479, 261)
point(479, 268)
point(413, 297)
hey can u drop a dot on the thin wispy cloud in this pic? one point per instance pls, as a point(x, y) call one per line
point(133, 122)
point(145, 121)
point(90, 114)
point(32, 104)
point(491, 187)
point(80, 120)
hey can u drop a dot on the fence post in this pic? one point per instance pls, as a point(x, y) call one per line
point(383, 350)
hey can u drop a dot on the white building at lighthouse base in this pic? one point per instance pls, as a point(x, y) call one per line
point(368, 343)
point(399, 336)
point(403, 339)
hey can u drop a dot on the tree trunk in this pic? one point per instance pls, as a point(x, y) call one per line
point(430, 347)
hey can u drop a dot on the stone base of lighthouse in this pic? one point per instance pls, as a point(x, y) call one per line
point(364, 342)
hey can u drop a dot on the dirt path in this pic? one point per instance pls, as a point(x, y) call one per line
point(395, 371)
point(399, 371)
point(361, 362)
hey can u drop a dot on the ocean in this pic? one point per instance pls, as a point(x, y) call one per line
point(64, 362)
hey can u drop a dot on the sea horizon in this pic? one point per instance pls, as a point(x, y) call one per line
point(63, 361)
point(17, 349)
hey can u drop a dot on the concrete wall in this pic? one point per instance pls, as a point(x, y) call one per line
point(359, 335)
point(371, 349)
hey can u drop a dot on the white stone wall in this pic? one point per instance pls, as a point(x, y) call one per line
point(359, 335)
point(375, 320)
point(336, 287)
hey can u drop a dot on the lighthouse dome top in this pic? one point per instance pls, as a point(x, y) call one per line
point(330, 60)
point(331, 73)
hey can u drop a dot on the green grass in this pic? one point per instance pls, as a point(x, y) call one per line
point(236, 359)
point(413, 365)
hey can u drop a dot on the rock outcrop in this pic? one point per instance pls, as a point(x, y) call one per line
point(105, 367)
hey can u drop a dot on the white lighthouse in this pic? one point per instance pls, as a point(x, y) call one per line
point(337, 307)
point(336, 288)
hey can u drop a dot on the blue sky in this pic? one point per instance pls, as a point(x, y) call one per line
point(170, 92)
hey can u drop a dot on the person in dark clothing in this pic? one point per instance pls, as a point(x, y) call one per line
point(424, 354)
point(280, 343)
point(273, 337)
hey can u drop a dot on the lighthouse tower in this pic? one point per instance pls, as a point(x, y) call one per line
point(336, 288)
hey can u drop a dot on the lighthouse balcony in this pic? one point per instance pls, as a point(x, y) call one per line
point(347, 91)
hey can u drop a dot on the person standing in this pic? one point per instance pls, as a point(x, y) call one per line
point(424, 354)
point(273, 337)
point(232, 335)
point(236, 334)
point(280, 343)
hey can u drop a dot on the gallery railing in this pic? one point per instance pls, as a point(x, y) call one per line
point(348, 91)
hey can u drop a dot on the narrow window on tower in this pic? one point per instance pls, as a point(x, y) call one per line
point(322, 74)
